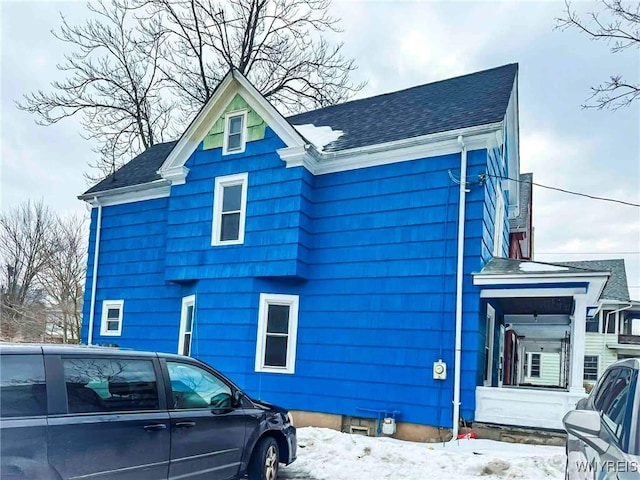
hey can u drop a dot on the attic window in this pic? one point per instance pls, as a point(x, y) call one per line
point(235, 135)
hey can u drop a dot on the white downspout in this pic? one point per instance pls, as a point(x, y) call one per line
point(94, 278)
point(459, 274)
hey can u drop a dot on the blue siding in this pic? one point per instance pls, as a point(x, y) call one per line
point(371, 253)
point(272, 243)
point(131, 267)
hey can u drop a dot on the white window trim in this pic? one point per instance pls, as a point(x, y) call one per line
point(243, 132)
point(267, 299)
point(187, 302)
point(490, 321)
point(106, 305)
point(218, 190)
point(498, 224)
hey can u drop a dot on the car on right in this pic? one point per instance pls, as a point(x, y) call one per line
point(603, 432)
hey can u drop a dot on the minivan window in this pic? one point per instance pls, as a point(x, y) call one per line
point(23, 391)
point(615, 413)
point(110, 385)
point(193, 387)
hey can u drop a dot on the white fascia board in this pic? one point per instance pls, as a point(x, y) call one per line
point(514, 160)
point(129, 194)
point(232, 84)
point(436, 144)
point(596, 280)
point(531, 292)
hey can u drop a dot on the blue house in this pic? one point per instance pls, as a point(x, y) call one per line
point(323, 261)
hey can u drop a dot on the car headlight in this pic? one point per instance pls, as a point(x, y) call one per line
point(290, 417)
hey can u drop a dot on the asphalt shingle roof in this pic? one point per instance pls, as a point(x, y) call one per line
point(142, 169)
point(467, 101)
point(615, 288)
point(470, 100)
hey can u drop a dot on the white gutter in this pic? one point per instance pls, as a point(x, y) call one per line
point(459, 273)
point(94, 278)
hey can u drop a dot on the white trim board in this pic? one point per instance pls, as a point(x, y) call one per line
point(266, 299)
point(106, 305)
point(232, 84)
point(188, 301)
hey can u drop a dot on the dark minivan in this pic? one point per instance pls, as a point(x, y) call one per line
point(73, 412)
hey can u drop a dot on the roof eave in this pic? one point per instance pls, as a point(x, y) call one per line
point(140, 191)
point(431, 145)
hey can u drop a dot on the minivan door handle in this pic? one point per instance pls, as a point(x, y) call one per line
point(155, 426)
point(187, 424)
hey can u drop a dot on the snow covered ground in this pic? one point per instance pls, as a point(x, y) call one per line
point(325, 454)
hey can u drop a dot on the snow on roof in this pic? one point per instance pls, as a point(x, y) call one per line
point(540, 267)
point(319, 136)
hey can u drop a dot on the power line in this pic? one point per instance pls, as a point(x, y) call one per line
point(588, 253)
point(622, 202)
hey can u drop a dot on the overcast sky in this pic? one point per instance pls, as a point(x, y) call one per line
point(399, 45)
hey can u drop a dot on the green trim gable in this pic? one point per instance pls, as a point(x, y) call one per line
point(255, 124)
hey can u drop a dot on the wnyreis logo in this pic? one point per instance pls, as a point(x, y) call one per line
point(620, 466)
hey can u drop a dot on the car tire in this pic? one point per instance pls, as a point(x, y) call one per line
point(265, 460)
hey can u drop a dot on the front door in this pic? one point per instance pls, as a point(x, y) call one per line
point(207, 434)
point(115, 427)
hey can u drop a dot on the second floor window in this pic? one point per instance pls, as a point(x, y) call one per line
point(229, 209)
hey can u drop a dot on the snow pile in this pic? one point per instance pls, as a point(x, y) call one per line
point(540, 267)
point(319, 136)
point(325, 454)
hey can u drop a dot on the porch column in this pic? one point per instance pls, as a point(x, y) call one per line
point(578, 326)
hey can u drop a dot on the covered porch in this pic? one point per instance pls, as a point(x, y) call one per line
point(534, 335)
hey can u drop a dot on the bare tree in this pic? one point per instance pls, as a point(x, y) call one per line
point(619, 26)
point(276, 44)
point(112, 80)
point(26, 245)
point(63, 279)
point(125, 56)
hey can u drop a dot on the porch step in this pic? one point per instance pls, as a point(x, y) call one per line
point(531, 436)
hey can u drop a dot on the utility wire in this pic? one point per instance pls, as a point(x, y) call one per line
point(587, 253)
point(567, 191)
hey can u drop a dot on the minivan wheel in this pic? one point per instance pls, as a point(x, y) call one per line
point(264, 460)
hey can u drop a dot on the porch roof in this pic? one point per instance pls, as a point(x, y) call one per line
point(524, 278)
point(510, 266)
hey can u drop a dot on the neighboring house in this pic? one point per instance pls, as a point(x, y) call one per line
point(322, 261)
point(613, 329)
point(521, 223)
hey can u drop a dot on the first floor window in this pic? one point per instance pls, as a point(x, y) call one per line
point(591, 367)
point(534, 365)
point(277, 333)
point(111, 324)
point(186, 324)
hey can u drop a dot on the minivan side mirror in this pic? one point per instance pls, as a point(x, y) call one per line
point(237, 399)
point(585, 425)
